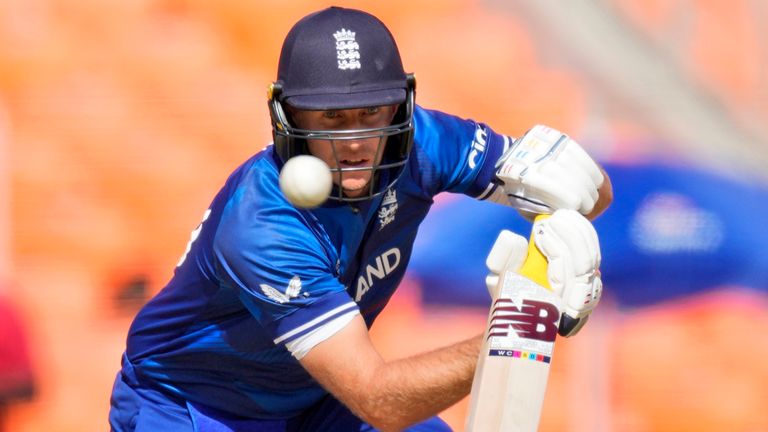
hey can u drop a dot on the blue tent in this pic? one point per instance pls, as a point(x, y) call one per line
point(671, 231)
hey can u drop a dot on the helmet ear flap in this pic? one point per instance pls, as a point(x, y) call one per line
point(286, 145)
point(400, 149)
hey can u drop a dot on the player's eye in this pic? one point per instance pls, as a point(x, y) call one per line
point(371, 110)
point(330, 114)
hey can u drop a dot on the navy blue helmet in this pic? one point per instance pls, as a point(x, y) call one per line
point(339, 59)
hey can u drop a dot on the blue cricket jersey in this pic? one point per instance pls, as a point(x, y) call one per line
point(263, 281)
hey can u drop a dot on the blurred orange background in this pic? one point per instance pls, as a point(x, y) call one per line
point(120, 120)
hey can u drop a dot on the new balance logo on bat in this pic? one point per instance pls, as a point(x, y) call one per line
point(529, 319)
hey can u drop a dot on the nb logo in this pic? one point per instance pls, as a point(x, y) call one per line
point(530, 319)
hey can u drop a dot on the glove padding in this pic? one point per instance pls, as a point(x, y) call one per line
point(571, 246)
point(570, 243)
point(546, 170)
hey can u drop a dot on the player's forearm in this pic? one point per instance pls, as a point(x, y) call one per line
point(409, 390)
point(391, 395)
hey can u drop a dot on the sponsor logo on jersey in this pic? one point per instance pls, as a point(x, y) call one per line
point(347, 53)
point(292, 291)
point(479, 143)
point(381, 267)
point(388, 209)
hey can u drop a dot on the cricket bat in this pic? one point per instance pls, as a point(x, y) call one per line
point(512, 371)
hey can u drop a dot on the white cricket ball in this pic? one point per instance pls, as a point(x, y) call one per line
point(306, 181)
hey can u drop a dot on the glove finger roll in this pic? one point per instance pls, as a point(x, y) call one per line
point(579, 156)
point(572, 179)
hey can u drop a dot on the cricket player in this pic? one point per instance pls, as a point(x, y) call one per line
point(264, 325)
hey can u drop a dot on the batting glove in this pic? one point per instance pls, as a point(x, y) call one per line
point(570, 243)
point(546, 170)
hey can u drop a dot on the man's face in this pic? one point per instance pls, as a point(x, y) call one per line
point(348, 153)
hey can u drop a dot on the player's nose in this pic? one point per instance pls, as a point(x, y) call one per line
point(358, 144)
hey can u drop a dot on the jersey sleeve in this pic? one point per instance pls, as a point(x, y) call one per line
point(457, 155)
point(276, 258)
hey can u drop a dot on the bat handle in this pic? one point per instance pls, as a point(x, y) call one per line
point(535, 265)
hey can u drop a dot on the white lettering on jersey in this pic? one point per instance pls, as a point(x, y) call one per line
point(385, 264)
point(478, 146)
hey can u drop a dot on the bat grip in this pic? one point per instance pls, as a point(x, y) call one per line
point(535, 265)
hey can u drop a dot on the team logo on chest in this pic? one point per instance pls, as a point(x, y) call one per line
point(388, 209)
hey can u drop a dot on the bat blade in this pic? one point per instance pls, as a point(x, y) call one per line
point(511, 377)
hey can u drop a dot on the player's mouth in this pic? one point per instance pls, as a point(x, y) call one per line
point(355, 182)
point(353, 163)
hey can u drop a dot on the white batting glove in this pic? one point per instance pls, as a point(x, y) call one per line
point(570, 243)
point(546, 170)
